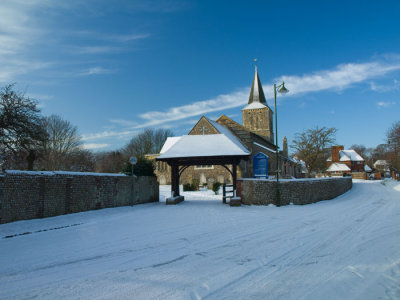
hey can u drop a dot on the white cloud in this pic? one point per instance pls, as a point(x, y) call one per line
point(94, 146)
point(108, 134)
point(395, 85)
point(97, 49)
point(123, 122)
point(339, 78)
point(27, 28)
point(221, 102)
point(383, 104)
point(95, 71)
point(19, 32)
point(40, 97)
point(127, 37)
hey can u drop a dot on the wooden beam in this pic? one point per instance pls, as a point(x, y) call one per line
point(234, 175)
point(182, 169)
point(230, 172)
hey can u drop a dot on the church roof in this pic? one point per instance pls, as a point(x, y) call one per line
point(256, 93)
point(239, 130)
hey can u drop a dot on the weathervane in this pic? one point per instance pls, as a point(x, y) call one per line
point(255, 62)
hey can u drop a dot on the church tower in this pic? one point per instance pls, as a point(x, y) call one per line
point(257, 115)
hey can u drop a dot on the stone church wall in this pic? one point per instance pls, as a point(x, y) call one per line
point(298, 191)
point(29, 195)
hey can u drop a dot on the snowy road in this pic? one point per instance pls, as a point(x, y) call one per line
point(346, 248)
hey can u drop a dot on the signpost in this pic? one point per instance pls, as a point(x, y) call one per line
point(132, 161)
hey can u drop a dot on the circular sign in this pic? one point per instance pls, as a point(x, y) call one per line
point(132, 160)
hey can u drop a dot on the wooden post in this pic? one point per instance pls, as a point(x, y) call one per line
point(224, 193)
point(175, 180)
point(234, 169)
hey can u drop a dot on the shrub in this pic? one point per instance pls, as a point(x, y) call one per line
point(187, 187)
point(194, 186)
point(215, 187)
point(143, 167)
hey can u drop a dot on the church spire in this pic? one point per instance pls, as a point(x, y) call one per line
point(257, 93)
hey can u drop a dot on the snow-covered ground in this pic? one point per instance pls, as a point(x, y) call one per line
point(346, 248)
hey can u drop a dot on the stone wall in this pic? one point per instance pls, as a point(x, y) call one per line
point(29, 195)
point(298, 191)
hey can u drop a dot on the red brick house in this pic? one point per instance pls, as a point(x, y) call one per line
point(344, 162)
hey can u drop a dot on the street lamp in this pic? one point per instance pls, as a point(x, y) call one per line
point(280, 89)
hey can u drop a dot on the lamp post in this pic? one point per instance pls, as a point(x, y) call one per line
point(2, 163)
point(280, 89)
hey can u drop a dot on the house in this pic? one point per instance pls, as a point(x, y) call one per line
point(346, 162)
point(255, 135)
point(382, 166)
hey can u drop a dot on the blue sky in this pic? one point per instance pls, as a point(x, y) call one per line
point(114, 68)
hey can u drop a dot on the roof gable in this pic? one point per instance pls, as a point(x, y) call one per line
point(203, 126)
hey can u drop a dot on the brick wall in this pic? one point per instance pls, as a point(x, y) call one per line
point(299, 191)
point(29, 195)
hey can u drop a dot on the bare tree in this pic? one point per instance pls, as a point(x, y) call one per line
point(393, 155)
point(110, 162)
point(20, 125)
point(62, 141)
point(310, 147)
point(80, 160)
point(146, 142)
point(360, 149)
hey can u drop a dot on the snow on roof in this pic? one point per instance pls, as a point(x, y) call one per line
point(205, 145)
point(346, 155)
point(169, 143)
point(224, 130)
point(266, 148)
point(380, 162)
point(350, 155)
point(254, 105)
point(338, 167)
point(367, 168)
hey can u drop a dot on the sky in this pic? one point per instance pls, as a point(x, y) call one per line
point(114, 68)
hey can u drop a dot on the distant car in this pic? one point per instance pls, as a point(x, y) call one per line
point(371, 177)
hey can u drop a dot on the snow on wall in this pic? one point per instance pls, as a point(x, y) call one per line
point(306, 191)
point(29, 195)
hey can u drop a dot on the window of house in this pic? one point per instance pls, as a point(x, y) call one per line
point(197, 167)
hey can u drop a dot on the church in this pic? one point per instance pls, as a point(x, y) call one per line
point(255, 136)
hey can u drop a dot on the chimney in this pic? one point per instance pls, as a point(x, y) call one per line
point(335, 153)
